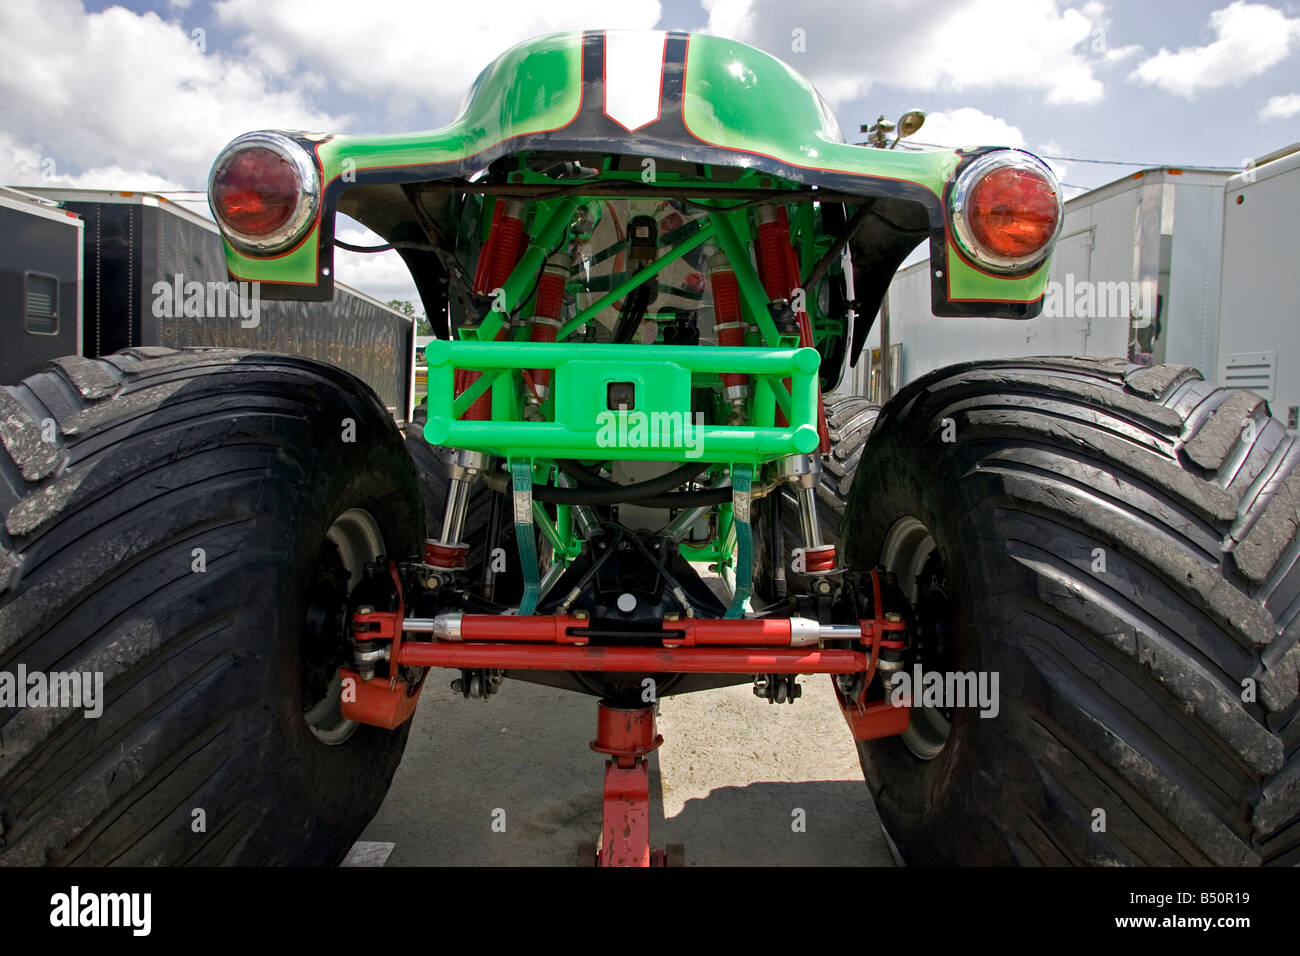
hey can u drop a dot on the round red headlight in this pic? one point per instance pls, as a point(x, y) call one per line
point(1013, 212)
point(1006, 211)
point(256, 192)
point(263, 192)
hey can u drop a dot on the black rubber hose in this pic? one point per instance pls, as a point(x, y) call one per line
point(387, 246)
point(584, 476)
point(617, 495)
point(652, 486)
point(635, 306)
point(671, 581)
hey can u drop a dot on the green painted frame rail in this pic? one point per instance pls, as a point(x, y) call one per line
point(658, 426)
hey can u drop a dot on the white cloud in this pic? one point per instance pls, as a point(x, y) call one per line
point(1281, 107)
point(410, 52)
point(115, 177)
point(967, 126)
point(729, 18)
point(1099, 37)
point(1120, 53)
point(123, 91)
point(125, 100)
point(926, 45)
point(22, 165)
point(1249, 39)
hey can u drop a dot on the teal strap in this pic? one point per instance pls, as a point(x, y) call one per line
point(521, 473)
point(741, 476)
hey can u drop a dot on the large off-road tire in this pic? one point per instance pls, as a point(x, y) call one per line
point(1118, 544)
point(849, 420)
point(187, 524)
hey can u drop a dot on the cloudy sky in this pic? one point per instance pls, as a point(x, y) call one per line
point(142, 95)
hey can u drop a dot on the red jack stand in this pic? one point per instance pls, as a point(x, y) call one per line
point(628, 735)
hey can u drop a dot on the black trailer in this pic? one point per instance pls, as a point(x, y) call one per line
point(40, 283)
point(156, 275)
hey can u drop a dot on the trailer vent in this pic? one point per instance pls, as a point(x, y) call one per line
point(40, 304)
point(1253, 370)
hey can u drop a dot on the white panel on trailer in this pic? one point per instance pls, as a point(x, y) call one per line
point(1067, 332)
point(1259, 302)
point(1256, 371)
point(1191, 295)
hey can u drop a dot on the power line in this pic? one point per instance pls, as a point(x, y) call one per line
point(1103, 162)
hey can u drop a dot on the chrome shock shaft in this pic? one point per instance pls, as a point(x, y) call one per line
point(448, 552)
point(803, 473)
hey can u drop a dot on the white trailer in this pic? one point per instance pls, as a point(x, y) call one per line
point(1259, 305)
point(1135, 273)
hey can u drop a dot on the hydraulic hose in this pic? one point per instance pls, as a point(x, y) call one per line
point(651, 486)
point(617, 494)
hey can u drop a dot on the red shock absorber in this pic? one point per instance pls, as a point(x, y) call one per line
point(496, 261)
point(773, 263)
point(819, 560)
point(772, 245)
point(546, 324)
point(502, 249)
point(730, 328)
point(550, 290)
point(485, 254)
point(444, 557)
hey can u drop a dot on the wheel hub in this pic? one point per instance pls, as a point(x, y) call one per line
point(911, 553)
point(352, 541)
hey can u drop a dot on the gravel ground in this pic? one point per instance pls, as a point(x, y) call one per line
point(729, 781)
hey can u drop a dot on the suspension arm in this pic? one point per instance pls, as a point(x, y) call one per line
point(646, 660)
point(689, 645)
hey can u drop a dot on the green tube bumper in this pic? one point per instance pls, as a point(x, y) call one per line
point(592, 419)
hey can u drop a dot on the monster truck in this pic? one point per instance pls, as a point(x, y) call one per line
point(649, 258)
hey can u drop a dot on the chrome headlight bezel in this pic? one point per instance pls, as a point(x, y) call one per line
point(959, 216)
point(308, 199)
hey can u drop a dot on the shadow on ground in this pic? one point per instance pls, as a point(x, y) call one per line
point(737, 782)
